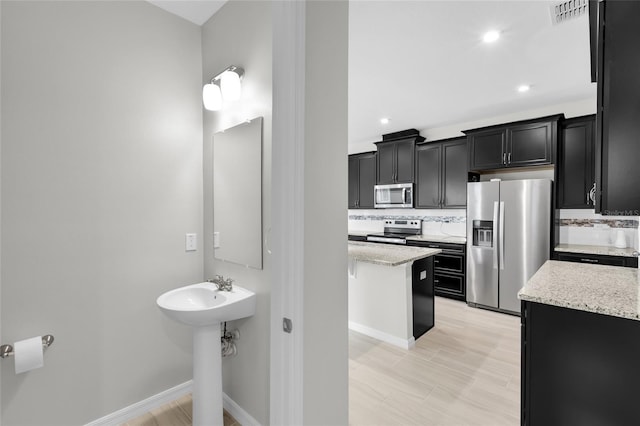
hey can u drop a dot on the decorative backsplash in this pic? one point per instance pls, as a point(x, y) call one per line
point(444, 219)
point(594, 223)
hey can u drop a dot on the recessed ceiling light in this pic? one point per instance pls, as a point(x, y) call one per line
point(385, 120)
point(491, 36)
point(524, 88)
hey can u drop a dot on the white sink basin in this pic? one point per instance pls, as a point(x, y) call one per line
point(203, 304)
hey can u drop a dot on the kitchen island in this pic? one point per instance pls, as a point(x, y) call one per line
point(580, 345)
point(390, 291)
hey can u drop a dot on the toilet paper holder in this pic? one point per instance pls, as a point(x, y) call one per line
point(7, 350)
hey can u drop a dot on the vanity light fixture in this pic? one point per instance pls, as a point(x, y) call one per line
point(225, 85)
point(491, 36)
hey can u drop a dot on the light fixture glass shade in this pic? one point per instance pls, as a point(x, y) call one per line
point(230, 86)
point(211, 97)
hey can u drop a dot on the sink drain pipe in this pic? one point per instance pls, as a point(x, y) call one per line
point(227, 339)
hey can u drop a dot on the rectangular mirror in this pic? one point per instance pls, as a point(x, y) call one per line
point(237, 194)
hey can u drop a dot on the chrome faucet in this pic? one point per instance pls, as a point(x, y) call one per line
point(221, 283)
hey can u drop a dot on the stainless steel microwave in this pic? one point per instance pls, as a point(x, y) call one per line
point(397, 195)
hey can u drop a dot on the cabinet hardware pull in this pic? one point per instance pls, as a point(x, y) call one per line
point(436, 281)
point(589, 260)
point(587, 197)
point(509, 158)
point(504, 158)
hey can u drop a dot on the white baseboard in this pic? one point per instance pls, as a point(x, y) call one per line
point(385, 337)
point(146, 405)
point(139, 408)
point(237, 412)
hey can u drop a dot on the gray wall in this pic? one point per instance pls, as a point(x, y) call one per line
point(101, 178)
point(240, 34)
point(325, 247)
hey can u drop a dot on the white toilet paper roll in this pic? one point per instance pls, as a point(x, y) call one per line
point(28, 354)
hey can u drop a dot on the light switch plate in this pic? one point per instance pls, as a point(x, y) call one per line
point(191, 242)
point(216, 240)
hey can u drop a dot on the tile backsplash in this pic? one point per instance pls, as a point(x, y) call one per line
point(588, 228)
point(434, 222)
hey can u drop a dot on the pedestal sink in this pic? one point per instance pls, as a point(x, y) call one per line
point(204, 307)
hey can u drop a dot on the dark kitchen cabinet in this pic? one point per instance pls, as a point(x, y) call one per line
point(441, 174)
point(519, 144)
point(578, 368)
point(449, 276)
point(617, 124)
point(362, 179)
point(575, 167)
point(598, 259)
point(395, 161)
point(487, 149)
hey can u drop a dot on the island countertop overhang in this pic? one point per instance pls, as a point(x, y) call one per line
point(387, 254)
point(607, 290)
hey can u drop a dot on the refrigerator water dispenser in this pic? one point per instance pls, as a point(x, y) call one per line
point(483, 233)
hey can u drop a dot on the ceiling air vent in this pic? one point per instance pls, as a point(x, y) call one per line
point(563, 11)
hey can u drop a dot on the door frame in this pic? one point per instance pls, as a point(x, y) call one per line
point(287, 234)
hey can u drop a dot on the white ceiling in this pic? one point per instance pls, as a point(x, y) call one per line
point(423, 63)
point(197, 12)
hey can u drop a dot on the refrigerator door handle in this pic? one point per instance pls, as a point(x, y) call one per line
point(501, 236)
point(495, 235)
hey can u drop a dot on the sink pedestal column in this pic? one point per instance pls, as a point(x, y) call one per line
point(207, 376)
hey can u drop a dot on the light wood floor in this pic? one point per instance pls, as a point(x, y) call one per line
point(175, 413)
point(464, 371)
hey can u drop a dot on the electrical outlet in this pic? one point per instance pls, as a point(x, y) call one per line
point(191, 242)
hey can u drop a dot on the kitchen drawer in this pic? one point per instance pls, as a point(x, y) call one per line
point(629, 262)
point(449, 262)
point(449, 285)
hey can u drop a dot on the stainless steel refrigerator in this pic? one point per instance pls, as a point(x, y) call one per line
point(508, 234)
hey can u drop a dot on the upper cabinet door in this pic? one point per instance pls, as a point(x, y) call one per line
point(354, 166)
point(575, 163)
point(428, 175)
point(395, 161)
point(530, 144)
point(518, 144)
point(404, 161)
point(367, 180)
point(386, 163)
point(619, 108)
point(454, 174)
point(487, 149)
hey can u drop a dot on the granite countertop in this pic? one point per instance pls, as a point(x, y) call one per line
point(602, 250)
point(434, 238)
point(387, 254)
point(608, 290)
point(440, 239)
point(361, 233)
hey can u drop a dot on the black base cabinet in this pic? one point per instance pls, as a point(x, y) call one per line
point(449, 277)
point(628, 262)
point(422, 296)
point(578, 368)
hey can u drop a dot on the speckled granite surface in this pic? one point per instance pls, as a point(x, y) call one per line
point(387, 254)
point(361, 233)
point(608, 290)
point(439, 239)
point(603, 250)
point(433, 238)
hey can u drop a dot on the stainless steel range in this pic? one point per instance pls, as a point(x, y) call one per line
point(396, 231)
